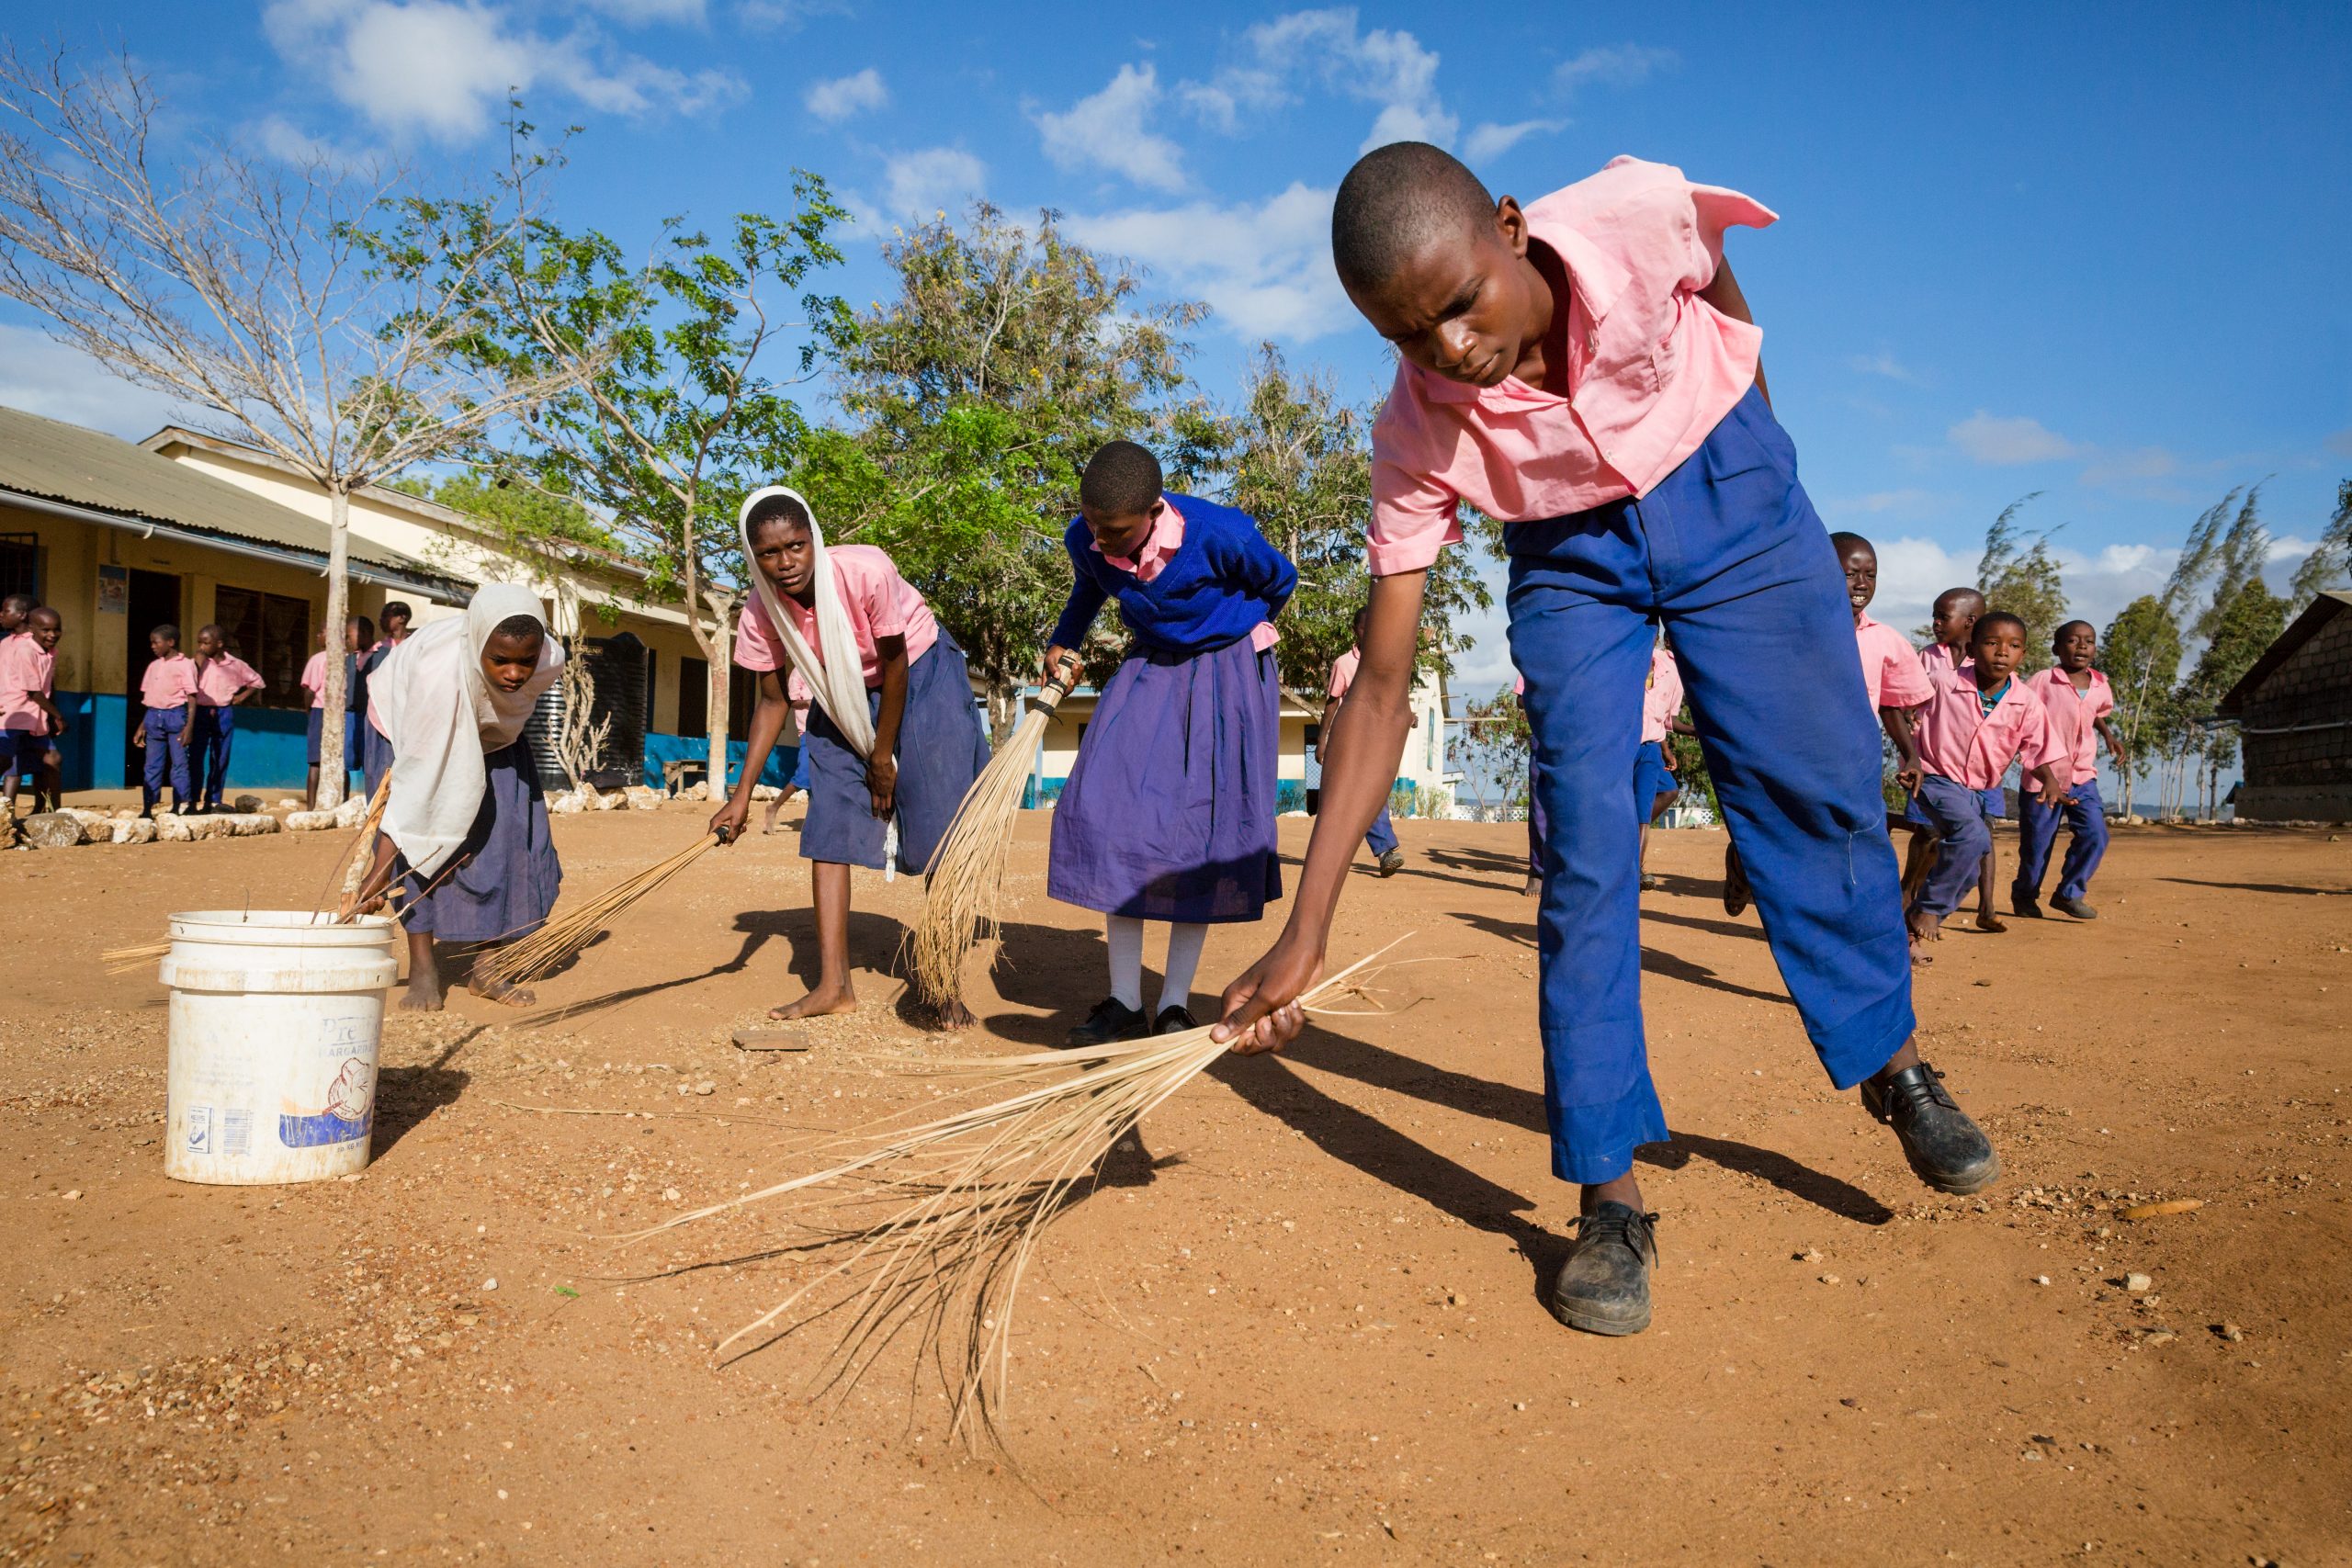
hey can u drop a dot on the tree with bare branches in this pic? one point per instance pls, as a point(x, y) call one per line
point(286, 305)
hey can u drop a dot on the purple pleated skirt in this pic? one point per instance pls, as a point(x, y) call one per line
point(1169, 814)
point(507, 880)
point(942, 748)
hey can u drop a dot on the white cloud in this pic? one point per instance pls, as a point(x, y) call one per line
point(1884, 364)
point(932, 180)
point(42, 376)
point(837, 99)
point(1113, 131)
point(1492, 140)
point(1384, 67)
point(646, 12)
point(785, 16)
point(1614, 65)
point(1264, 269)
point(1884, 501)
point(2006, 443)
point(2122, 470)
point(437, 68)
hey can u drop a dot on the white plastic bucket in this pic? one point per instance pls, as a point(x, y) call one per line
point(275, 1019)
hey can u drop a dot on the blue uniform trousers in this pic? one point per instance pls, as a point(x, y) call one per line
point(1383, 835)
point(208, 752)
point(1729, 554)
point(2085, 817)
point(166, 756)
point(1957, 814)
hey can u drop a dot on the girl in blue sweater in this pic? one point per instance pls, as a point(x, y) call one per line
point(1169, 814)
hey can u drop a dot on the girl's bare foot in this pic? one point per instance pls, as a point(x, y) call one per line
point(492, 990)
point(817, 1003)
point(954, 1014)
point(423, 995)
point(1925, 927)
point(1534, 885)
point(1986, 921)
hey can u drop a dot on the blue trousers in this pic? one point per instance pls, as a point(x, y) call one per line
point(1383, 835)
point(2085, 818)
point(1957, 814)
point(1729, 554)
point(167, 752)
point(208, 752)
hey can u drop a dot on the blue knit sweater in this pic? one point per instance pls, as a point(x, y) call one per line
point(1223, 580)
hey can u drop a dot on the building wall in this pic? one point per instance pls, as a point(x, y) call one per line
point(94, 648)
point(2305, 772)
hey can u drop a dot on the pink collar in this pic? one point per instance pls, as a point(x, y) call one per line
point(1158, 548)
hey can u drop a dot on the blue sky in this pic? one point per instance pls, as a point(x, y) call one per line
point(2095, 250)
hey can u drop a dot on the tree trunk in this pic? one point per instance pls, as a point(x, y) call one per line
point(332, 764)
point(1004, 710)
point(719, 648)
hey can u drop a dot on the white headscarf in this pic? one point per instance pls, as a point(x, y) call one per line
point(839, 684)
point(443, 717)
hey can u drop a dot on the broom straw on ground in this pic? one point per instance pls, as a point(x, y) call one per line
point(964, 886)
point(965, 1199)
point(534, 955)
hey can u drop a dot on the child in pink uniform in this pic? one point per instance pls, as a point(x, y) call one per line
point(223, 680)
point(1955, 613)
point(168, 689)
point(1382, 840)
point(1654, 786)
point(1979, 720)
point(29, 722)
point(2077, 700)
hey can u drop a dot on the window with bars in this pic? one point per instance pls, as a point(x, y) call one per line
point(272, 633)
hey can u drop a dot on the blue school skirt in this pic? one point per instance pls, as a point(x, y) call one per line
point(942, 748)
point(1169, 814)
point(507, 873)
point(374, 757)
point(1652, 777)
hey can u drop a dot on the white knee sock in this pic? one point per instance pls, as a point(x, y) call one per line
point(1126, 936)
point(1183, 958)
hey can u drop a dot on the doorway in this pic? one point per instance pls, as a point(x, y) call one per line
point(154, 599)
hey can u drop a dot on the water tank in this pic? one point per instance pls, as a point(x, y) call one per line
point(546, 724)
point(617, 665)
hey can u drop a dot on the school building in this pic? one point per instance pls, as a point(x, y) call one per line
point(1422, 779)
point(652, 682)
point(2293, 707)
point(118, 540)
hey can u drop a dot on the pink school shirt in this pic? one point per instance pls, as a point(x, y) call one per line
point(1343, 671)
point(217, 680)
point(1160, 547)
point(878, 600)
point(26, 671)
point(169, 683)
point(1652, 370)
point(2074, 718)
point(1891, 672)
point(1938, 656)
point(1663, 699)
point(1960, 741)
point(314, 678)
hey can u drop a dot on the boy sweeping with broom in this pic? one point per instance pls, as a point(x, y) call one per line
point(1587, 370)
point(1169, 814)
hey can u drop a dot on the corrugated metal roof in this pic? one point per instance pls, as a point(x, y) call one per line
point(56, 461)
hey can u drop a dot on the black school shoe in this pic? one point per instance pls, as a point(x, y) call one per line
point(1111, 1019)
point(1173, 1021)
point(1947, 1150)
point(2025, 908)
point(1392, 863)
point(1604, 1287)
point(2074, 906)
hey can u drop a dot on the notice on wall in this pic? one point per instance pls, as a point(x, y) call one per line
point(114, 590)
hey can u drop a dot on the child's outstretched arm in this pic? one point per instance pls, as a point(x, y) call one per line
point(1260, 1009)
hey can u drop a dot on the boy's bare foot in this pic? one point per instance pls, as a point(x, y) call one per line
point(1534, 885)
point(1925, 927)
point(1986, 921)
point(422, 996)
point(824, 1000)
point(492, 990)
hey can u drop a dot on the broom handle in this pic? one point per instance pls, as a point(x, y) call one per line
point(1050, 696)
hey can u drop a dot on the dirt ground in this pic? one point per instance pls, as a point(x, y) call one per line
point(1304, 1323)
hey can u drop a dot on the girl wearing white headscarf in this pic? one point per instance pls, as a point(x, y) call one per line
point(466, 823)
point(893, 739)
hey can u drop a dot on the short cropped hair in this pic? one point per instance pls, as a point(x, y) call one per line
point(167, 629)
point(397, 607)
point(1395, 201)
point(1952, 596)
point(23, 604)
point(1841, 542)
point(519, 626)
point(1991, 618)
point(1121, 480)
point(775, 509)
point(366, 629)
point(2060, 634)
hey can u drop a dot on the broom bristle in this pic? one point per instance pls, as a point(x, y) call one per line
point(559, 938)
point(964, 886)
point(966, 1199)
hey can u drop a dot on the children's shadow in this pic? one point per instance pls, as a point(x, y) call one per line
point(874, 941)
point(1044, 966)
point(1654, 961)
point(1480, 860)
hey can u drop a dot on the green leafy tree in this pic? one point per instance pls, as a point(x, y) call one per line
point(2329, 563)
point(2240, 625)
point(678, 413)
point(975, 397)
point(2140, 653)
point(1496, 746)
point(2022, 578)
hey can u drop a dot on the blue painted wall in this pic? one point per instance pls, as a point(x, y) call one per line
point(272, 750)
point(660, 749)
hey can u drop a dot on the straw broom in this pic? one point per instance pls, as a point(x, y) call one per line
point(964, 886)
point(566, 936)
point(966, 1198)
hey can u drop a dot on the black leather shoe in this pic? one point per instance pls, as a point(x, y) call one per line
point(2025, 908)
point(1174, 1020)
point(1604, 1287)
point(1736, 892)
point(2074, 906)
point(1392, 863)
point(1111, 1019)
point(1947, 1150)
